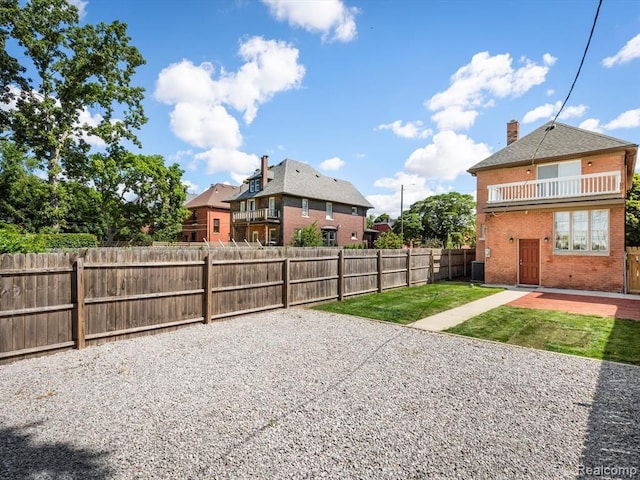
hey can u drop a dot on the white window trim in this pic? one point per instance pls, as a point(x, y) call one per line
point(328, 211)
point(570, 251)
point(305, 210)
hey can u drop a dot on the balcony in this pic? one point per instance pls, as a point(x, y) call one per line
point(260, 215)
point(538, 191)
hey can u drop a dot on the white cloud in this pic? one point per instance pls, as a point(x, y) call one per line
point(87, 119)
point(331, 18)
point(449, 155)
point(407, 189)
point(573, 111)
point(335, 163)
point(592, 124)
point(239, 164)
point(627, 53)
point(475, 85)
point(201, 103)
point(454, 118)
point(408, 130)
point(81, 5)
point(204, 126)
point(549, 110)
point(191, 187)
point(628, 119)
point(550, 92)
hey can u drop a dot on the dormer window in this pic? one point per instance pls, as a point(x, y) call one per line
point(254, 185)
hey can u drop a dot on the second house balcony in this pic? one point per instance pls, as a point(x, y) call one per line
point(556, 189)
point(259, 215)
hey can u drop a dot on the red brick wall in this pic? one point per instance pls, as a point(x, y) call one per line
point(582, 272)
point(345, 222)
point(204, 225)
point(562, 271)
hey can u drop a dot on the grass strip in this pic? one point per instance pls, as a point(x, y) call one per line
point(584, 335)
point(407, 305)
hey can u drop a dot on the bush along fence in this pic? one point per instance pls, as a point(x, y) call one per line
point(57, 301)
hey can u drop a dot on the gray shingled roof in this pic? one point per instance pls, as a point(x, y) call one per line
point(560, 141)
point(298, 179)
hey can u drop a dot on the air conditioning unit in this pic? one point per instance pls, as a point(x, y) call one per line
point(477, 271)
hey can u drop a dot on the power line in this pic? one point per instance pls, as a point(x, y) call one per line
point(586, 49)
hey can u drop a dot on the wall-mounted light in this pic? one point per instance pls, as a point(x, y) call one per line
point(528, 171)
point(589, 164)
point(546, 239)
point(510, 239)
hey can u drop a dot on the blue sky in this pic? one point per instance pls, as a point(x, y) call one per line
point(381, 93)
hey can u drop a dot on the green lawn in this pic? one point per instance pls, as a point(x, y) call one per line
point(584, 335)
point(407, 305)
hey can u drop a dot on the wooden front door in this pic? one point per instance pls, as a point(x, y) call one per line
point(529, 271)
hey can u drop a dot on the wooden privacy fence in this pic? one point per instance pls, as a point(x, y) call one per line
point(633, 269)
point(57, 301)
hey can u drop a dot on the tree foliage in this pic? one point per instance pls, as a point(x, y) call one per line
point(309, 236)
point(54, 72)
point(136, 194)
point(448, 217)
point(388, 240)
point(633, 213)
point(409, 227)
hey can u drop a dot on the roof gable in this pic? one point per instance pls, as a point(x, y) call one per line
point(214, 196)
point(298, 179)
point(552, 141)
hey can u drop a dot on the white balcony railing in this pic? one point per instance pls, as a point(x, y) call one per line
point(256, 215)
point(556, 188)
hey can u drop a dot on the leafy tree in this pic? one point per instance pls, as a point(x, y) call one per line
point(59, 72)
point(409, 227)
point(309, 236)
point(370, 220)
point(136, 195)
point(388, 240)
point(382, 218)
point(633, 213)
point(24, 195)
point(449, 217)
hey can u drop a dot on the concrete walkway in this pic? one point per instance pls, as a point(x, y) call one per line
point(450, 318)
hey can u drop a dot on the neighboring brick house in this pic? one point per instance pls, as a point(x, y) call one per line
point(551, 209)
point(276, 202)
point(210, 219)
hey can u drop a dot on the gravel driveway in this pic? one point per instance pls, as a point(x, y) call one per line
point(304, 394)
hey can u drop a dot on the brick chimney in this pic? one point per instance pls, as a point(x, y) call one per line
point(264, 167)
point(513, 131)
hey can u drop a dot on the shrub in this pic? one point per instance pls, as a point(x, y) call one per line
point(354, 246)
point(12, 241)
point(388, 240)
point(70, 240)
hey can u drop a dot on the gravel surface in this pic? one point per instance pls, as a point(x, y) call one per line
point(304, 394)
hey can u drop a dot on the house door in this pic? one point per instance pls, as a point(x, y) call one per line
point(529, 270)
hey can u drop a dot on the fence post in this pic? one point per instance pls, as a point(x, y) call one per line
point(431, 274)
point(77, 298)
point(341, 275)
point(379, 263)
point(464, 263)
point(408, 267)
point(449, 262)
point(286, 269)
point(207, 298)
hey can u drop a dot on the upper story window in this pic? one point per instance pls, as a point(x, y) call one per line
point(581, 231)
point(552, 188)
point(251, 205)
point(305, 207)
point(216, 225)
point(354, 210)
point(254, 185)
point(243, 206)
point(329, 211)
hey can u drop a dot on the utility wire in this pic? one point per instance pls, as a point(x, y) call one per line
point(586, 49)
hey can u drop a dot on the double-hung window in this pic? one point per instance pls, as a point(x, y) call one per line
point(581, 231)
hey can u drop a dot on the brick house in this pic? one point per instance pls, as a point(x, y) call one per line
point(276, 202)
point(210, 216)
point(551, 209)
